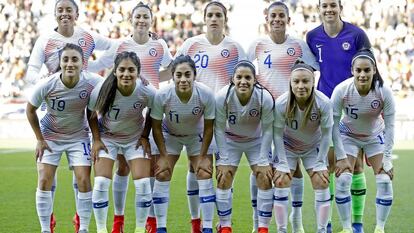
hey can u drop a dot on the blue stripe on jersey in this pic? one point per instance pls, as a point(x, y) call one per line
point(383, 202)
point(192, 192)
point(160, 200)
point(342, 200)
point(208, 199)
point(99, 205)
point(276, 198)
point(224, 213)
point(144, 204)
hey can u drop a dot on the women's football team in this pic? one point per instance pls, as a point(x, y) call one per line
point(218, 103)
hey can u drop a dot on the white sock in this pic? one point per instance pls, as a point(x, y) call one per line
point(384, 199)
point(44, 208)
point(265, 206)
point(343, 199)
point(84, 209)
point(119, 191)
point(143, 200)
point(224, 206)
point(192, 195)
point(296, 192)
point(253, 197)
point(322, 207)
point(151, 210)
point(281, 203)
point(207, 201)
point(161, 196)
point(54, 186)
point(75, 189)
point(100, 201)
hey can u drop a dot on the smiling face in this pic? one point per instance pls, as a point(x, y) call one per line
point(330, 11)
point(244, 81)
point(277, 19)
point(71, 63)
point(215, 19)
point(141, 20)
point(302, 83)
point(183, 78)
point(66, 14)
point(363, 71)
point(126, 74)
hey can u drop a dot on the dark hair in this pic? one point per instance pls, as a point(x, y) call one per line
point(70, 46)
point(141, 4)
point(72, 1)
point(282, 4)
point(292, 105)
point(107, 93)
point(366, 53)
point(248, 64)
point(217, 4)
point(183, 59)
point(339, 1)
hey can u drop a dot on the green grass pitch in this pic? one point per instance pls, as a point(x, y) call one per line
point(18, 212)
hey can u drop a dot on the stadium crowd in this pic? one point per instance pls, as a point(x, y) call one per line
point(388, 23)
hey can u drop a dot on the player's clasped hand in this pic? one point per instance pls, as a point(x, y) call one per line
point(96, 147)
point(323, 175)
point(40, 149)
point(342, 165)
point(279, 177)
point(146, 147)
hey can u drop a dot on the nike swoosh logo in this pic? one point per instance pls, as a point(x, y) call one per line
point(319, 45)
point(267, 51)
point(201, 51)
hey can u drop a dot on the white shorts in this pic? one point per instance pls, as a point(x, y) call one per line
point(174, 145)
point(235, 151)
point(127, 150)
point(78, 153)
point(308, 159)
point(371, 147)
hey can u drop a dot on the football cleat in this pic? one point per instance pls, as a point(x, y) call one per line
point(118, 226)
point(196, 225)
point(151, 225)
point(76, 222)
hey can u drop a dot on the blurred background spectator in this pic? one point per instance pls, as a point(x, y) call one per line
point(388, 23)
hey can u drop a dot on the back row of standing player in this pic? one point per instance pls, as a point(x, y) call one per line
point(215, 57)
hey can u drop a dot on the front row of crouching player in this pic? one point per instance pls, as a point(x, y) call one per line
point(242, 117)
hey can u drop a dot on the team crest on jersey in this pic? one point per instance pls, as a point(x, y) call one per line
point(346, 46)
point(153, 52)
point(314, 116)
point(225, 53)
point(254, 113)
point(291, 51)
point(375, 104)
point(196, 110)
point(83, 94)
point(137, 105)
point(82, 42)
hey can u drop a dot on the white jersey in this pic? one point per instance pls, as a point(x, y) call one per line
point(65, 118)
point(362, 119)
point(124, 122)
point(214, 63)
point(47, 48)
point(275, 61)
point(152, 55)
point(299, 139)
point(184, 119)
point(243, 123)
